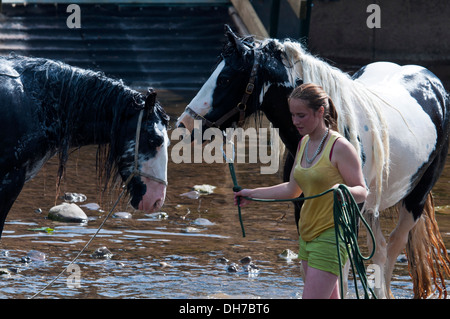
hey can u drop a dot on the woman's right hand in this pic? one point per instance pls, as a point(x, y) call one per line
point(241, 194)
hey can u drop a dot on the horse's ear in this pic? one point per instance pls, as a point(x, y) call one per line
point(150, 99)
point(229, 32)
point(234, 40)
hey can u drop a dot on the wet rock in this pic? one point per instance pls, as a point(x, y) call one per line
point(14, 270)
point(402, 258)
point(102, 253)
point(74, 197)
point(251, 268)
point(122, 215)
point(36, 255)
point(199, 190)
point(190, 229)
point(69, 213)
point(157, 215)
point(25, 260)
point(191, 195)
point(204, 189)
point(288, 254)
point(163, 264)
point(33, 255)
point(5, 272)
point(246, 260)
point(233, 267)
point(222, 260)
point(202, 222)
point(8, 272)
point(91, 206)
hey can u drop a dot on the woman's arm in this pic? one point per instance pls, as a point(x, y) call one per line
point(347, 161)
point(280, 191)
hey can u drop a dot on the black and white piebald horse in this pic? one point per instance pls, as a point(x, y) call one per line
point(48, 107)
point(397, 117)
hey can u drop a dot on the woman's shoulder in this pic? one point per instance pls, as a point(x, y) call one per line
point(342, 147)
point(336, 134)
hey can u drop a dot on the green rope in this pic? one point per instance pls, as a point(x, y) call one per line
point(346, 214)
point(237, 188)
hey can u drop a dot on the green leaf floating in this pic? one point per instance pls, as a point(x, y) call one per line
point(44, 229)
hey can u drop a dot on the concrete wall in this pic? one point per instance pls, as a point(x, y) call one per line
point(411, 30)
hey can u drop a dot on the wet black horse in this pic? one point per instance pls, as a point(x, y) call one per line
point(48, 107)
point(397, 117)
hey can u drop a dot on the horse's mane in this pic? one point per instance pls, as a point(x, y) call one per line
point(76, 88)
point(346, 94)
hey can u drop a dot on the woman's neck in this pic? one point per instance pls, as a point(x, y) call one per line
point(318, 134)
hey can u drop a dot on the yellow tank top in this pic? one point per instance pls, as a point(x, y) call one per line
point(317, 214)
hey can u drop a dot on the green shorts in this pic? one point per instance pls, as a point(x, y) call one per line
point(321, 252)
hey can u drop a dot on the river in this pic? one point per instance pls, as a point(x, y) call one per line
point(171, 257)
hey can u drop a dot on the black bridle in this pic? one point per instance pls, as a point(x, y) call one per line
point(239, 108)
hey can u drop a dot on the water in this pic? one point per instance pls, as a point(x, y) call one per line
point(165, 257)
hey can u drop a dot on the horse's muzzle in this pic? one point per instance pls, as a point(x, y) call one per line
point(154, 197)
point(185, 121)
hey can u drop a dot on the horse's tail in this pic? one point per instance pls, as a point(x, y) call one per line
point(428, 260)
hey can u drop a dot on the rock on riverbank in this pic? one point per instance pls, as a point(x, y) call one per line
point(67, 212)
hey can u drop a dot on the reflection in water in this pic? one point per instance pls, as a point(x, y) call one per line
point(165, 257)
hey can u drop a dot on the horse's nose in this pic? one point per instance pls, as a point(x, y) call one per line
point(159, 198)
point(185, 121)
point(158, 204)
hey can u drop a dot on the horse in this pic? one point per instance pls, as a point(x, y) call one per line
point(397, 117)
point(49, 107)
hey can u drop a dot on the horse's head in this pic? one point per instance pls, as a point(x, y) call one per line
point(141, 152)
point(237, 86)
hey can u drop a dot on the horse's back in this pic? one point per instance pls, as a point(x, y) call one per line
point(416, 111)
point(376, 73)
point(6, 69)
point(19, 122)
point(417, 86)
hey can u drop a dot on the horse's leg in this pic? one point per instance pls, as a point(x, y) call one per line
point(379, 257)
point(345, 272)
point(428, 260)
point(427, 255)
point(11, 185)
point(397, 242)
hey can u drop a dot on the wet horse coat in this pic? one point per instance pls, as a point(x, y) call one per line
point(397, 117)
point(48, 107)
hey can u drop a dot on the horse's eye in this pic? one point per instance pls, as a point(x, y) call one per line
point(223, 81)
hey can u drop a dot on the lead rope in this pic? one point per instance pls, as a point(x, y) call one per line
point(345, 213)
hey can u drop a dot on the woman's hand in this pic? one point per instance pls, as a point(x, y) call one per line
point(241, 194)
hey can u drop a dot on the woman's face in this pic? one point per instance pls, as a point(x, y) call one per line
point(304, 118)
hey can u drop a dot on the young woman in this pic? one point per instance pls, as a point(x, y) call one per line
point(324, 160)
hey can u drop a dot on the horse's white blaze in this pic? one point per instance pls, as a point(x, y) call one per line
point(154, 197)
point(157, 166)
point(202, 102)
